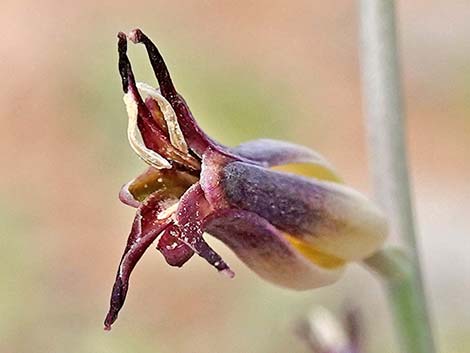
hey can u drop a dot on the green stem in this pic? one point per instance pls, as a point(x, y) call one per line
point(396, 270)
point(388, 161)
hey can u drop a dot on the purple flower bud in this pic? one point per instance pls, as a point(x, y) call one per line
point(296, 231)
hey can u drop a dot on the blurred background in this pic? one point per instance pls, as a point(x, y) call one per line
point(249, 69)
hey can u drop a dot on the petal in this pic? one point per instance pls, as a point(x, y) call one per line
point(266, 251)
point(329, 217)
point(170, 183)
point(287, 157)
point(197, 140)
point(156, 144)
point(173, 128)
point(148, 224)
point(192, 209)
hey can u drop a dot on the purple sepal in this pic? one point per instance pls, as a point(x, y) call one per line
point(291, 203)
point(145, 229)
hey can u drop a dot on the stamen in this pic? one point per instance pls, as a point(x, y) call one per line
point(168, 211)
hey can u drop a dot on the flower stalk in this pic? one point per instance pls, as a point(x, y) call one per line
point(385, 116)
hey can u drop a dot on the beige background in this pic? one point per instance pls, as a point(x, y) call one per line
point(282, 69)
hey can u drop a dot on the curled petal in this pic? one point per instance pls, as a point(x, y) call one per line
point(266, 251)
point(192, 209)
point(148, 224)
point(147, 154)
point(170, 183)
point(329, 217)
point(176, 136)
point(156, 145)
point(197, 140)
point(287, 157)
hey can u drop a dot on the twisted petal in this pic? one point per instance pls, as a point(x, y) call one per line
point(148, 224)
point(197, 140)
point(156, 149)
point(266, 251)
point(328, 217)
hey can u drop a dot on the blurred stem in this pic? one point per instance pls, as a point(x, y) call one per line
point(388, 163)
point(396, 270)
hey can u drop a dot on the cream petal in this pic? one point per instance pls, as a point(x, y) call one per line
point(133, 135)
point(174, 131)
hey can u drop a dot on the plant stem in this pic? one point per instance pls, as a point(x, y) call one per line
point(388, 163)
point(396, 270)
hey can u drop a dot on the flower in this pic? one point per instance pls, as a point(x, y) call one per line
point(296, 231)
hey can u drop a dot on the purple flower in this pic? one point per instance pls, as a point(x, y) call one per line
point(297, 231)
